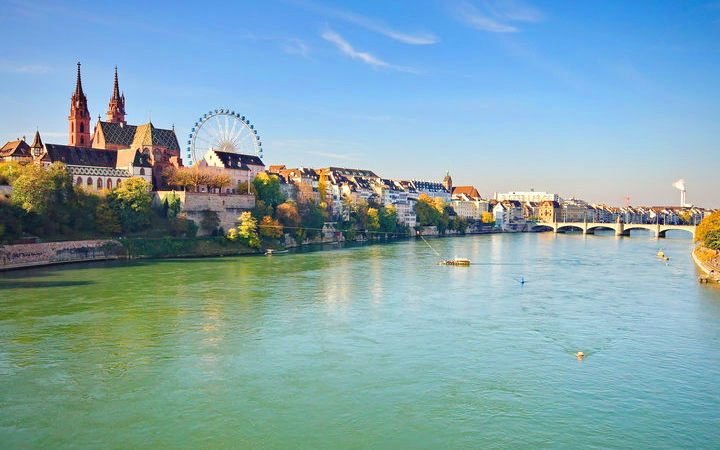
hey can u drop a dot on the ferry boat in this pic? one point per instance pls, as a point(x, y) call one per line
point(455, 262)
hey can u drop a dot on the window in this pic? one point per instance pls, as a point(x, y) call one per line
point(117, 183)
point(99, 183)
point(79, 181)
point(82, 127)
point(72, 127)
point(89, 181)
point(109, 183)
point(142, 171)
point(82, 140)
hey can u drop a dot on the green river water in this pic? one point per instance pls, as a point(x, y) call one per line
point(368, 347)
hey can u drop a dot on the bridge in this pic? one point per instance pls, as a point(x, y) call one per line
point(620, 228)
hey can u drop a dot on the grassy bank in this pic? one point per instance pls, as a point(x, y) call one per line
point(172, 247)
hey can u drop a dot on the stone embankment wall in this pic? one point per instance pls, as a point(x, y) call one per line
point(708, 261)
point(28, 255)
point(227, 206)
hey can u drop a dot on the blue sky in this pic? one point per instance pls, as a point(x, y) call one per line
point(593, 99)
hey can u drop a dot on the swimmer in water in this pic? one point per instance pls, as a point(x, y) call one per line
point(580, 355)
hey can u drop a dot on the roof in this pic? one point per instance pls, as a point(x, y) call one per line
point(15, 148)
point(238, 161)
point(470, 191)
point(148, 135)
point(117, 133)
point(276, 168)
point(81, 156)
point(354, 172)
point(37, 142)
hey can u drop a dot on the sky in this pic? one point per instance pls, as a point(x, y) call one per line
point(596, 100)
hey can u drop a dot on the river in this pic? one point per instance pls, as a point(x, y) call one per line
point(367, 347)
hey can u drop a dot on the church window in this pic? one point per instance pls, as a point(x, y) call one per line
point(82, 127)
point(82, 140)
point(109, 183)
point(72, 127)
point(99, 183)
point(89, 181)
point(142, 171)
point(117, 183)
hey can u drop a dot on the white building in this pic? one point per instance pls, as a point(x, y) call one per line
point(529, 196)
point(240, 168)
point(406, 213)
point(509, 216)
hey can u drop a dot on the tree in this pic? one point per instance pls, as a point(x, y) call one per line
point(388, 219)
point(305, 195)
point(246, 231)
point(47, 192)
point(427, 213)
point(287, 214)
point(460, 224)
point(313, 219)
point(106, 221)
point(131, 203)
point(270, 227)
point(210, 220)
point(373, 222)
point(9, 172)
point(174, 205)
point(359, 214)
point(181, 226)
point(487, 218)
point(708, 232)
point(267, 188)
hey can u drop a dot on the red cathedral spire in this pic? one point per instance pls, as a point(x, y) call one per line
point(116, 110)
point(79, 117)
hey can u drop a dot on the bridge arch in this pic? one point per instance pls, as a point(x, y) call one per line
point(593, 229)
point(663, 231)
point(541, 227)
point(569, 227)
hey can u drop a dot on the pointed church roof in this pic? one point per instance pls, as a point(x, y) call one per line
point(78, 84)
point(37, 142)
point(116, 88)
point(148, 135)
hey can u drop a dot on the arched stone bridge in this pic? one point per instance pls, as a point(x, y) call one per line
point(621, 229)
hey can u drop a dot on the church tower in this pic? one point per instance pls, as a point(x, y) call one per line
point(116, 111)
point(79, 117)
point(447, 182)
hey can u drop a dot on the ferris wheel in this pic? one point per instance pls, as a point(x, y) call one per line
point(223, 130)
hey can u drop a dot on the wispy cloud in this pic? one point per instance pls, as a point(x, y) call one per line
point(368, 58)
point(495, 16)
point(295, 46)
point(9, 67)
point(377, 26)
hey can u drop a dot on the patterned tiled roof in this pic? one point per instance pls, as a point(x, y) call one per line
point(15, 148)
point(81, 156)
point(117, 133)
point(147, 134)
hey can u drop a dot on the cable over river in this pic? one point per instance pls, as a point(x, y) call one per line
point(368, 347)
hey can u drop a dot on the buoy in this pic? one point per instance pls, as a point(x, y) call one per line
point(580, 355)
point(522, 280)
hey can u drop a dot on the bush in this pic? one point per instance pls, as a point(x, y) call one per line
point(708, 231)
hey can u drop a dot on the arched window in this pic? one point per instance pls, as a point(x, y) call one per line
point(142, 171)
point(99, 183)
point(72, 127)
point(117, 183)
point(109, 183)
point(89, 181)
point(82, 127)
point(82, 140)
point(78, 181)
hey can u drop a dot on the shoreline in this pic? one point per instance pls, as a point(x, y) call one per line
point(710, 270)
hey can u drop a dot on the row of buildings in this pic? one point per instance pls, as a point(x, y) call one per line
point(104, 156)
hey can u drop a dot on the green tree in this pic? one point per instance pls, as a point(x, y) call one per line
point(267, 188)
point(106, 221)
point(48, 192)
point(313, 219)
point(388, 219)
point(174, 205)
point(181, 226)
point(427, 213)
point(131, 204)
point(9, 172)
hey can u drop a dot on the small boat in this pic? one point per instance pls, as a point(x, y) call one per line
point(455, 262)
point(661, 254)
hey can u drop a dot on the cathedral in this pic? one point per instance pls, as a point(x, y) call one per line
point(115, 150)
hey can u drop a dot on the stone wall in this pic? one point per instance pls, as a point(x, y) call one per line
point(227, 206)
point(28, 255)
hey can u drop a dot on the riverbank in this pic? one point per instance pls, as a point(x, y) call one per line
point(708, 261)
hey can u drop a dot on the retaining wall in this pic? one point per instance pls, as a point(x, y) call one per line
point(28, 255)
